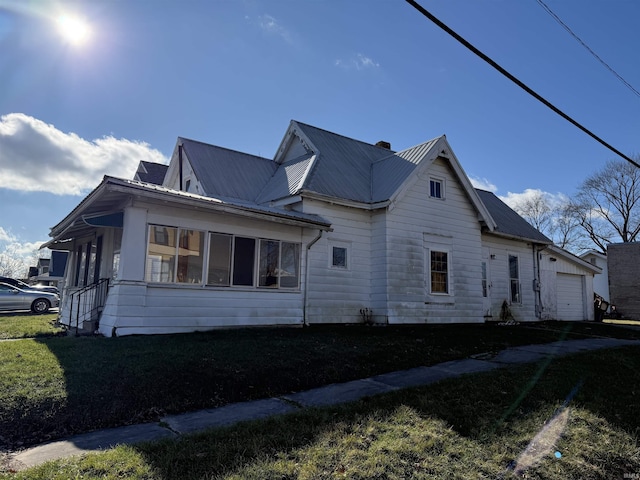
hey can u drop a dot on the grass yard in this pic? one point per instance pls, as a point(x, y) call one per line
point(55, 387)
point(572, 418)
point(28, 325)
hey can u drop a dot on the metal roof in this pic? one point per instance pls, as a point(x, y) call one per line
point(151, 172)
point(343, 167)
point(391, 172)
point(228, 173)
point(508, 222)
point(288, 179)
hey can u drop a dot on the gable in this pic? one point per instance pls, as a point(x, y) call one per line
point(219, 171)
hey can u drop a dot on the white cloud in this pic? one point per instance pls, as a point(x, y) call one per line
point(35, 156)
point(270, 25)
point(5, 236)
point(483, 184)
point(514, 199)
point(358, 62)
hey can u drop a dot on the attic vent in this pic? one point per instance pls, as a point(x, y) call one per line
point(384, 144)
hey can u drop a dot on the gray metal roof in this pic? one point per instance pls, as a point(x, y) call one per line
point(228, 173)
point(508, 222)
point(343, 167)
point(151, 172)
point(288, 179)
point(391, 172)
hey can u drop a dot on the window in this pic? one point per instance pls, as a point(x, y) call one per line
point(244, 254)
point(269, 263)
point(514, 279)
point(485, 292)
point(187, 185)
point(190, 255)
point(339, 257)
point(219, 272)
point(436, 188)
point(233, 260)
point(161, 255)
point(279, 264)
point(174, 255)
point(439, 272)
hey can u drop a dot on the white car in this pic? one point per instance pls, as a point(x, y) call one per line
point(14, 298)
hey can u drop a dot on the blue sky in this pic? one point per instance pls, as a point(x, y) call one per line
point(234, 73)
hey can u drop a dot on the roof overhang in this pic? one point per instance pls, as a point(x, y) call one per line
point(104, 207)
point(570, 257)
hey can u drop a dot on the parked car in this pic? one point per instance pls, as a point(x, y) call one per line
point(14, 298)
point(25, 286)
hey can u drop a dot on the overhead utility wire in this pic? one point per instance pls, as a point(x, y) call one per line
point(581, 42)
point(538, 97)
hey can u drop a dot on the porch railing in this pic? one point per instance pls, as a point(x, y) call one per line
point(87, 303)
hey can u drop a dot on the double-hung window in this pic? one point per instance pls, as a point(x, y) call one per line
point(439, 272)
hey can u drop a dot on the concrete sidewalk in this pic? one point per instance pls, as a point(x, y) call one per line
point(173, 426)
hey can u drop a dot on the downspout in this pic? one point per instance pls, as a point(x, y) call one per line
point(537, 285)
point(180, 164)
point(306, 279)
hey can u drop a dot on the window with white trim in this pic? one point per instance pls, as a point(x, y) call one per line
point(436, 188)
point(339, 255)
point(439, 272)
point(514, 279)
point(174, 255)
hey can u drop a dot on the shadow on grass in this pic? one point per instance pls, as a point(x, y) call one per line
point(478, 426)
point(75, 385)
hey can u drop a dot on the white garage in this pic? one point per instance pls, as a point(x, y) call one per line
point(571, 297)
point(566, 285)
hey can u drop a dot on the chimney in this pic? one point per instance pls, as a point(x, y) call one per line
point(384, 144)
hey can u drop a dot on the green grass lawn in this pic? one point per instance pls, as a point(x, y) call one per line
point(572, 418)
point(55, 387)
point(28, 325)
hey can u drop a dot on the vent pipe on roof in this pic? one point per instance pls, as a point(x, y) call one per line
point(384, 144)
point(180, 165)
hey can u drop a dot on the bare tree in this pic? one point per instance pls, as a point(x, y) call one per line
point(551, 215)
point(12, 264)
point(607, 205)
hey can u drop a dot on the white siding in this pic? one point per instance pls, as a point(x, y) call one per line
point(417, 223)
point(499, 251)
point(559, 301)
point(337, 295)
point(134, 307)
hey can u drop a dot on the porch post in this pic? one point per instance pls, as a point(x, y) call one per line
point(134, 244)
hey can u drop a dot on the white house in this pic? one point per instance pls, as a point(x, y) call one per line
point(331, 230)
point(601, 281)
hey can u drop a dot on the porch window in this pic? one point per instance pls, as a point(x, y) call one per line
point(439, 272)
point(514, 279)
point(244, 254)
point(279, 265)
point(219, 271)
point(161, 255)
point(190, 255)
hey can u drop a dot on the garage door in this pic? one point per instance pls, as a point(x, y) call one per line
point(570, 297)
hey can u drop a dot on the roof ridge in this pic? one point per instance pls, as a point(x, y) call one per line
point(183, 139)
point(392, 154)
point(343, 136)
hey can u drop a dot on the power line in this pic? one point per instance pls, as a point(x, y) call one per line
point(581, 42)
point(531, 92)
